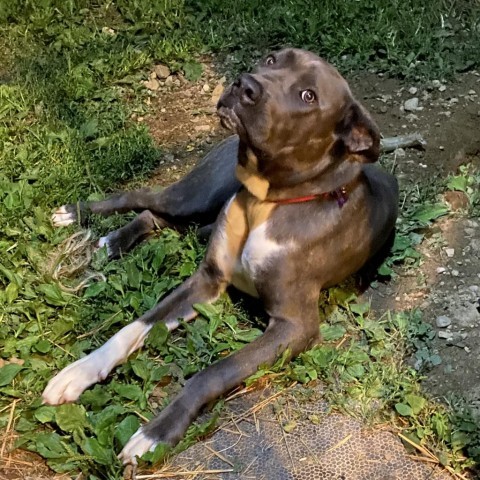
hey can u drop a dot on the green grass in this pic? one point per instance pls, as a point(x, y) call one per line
point(70, 80)
point(405, 38)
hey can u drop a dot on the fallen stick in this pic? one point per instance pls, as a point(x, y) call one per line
point(413, 140)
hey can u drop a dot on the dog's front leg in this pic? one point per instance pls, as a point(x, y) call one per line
point(294, 333)
point(204, 286)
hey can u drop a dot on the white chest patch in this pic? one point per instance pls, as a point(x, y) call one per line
point(257, 252)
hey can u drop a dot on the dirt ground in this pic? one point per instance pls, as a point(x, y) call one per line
point(447, 284)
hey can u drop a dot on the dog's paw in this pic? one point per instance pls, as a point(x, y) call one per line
point(105, 242)
point(139, 444)
point(73, 380)
point(65, 215)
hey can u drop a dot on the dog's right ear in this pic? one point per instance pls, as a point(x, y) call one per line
point(359, 133)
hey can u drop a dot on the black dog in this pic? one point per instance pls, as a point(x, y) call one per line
point(305, 212)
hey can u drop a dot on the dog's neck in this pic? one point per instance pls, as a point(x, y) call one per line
point(330, 179)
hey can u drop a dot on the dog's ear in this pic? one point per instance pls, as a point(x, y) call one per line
point(359, 133)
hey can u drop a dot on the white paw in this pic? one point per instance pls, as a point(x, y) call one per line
point(102, 242)
point(73, 380)
point(62, 218)
point(136, 447)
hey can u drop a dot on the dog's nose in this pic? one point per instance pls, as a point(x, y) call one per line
point(249, 90)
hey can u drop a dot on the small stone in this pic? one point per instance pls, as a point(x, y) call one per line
point(441, 270)
point(441, 147)
point(217, 92)
point(206, 87)
point(399, 152)
point(202, 128)
point(472, 92)
point(467, 349)
point(162, 71)
point(152, 84)
point(169, 80)
point(444, 335)
point(443, 321)
point(450, 252)
point(455, 273)
point(412, 90)
point(411, 104)
point(411, 117)
point(108, 31)
point(383, 109)
point(442, 88)
point(152, 75)
point(163, 110)
point(457, 200)
point(436, 83)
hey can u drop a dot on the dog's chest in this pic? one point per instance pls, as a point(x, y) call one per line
point(258, 252)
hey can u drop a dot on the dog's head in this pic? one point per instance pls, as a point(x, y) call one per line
point(296, 117)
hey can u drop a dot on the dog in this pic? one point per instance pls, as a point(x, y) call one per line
point(298, 207)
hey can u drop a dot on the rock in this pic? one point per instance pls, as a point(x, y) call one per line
point(466, 315)
point(411, 117)
point(162, 71)
point(108, 31)
point(443, 321)
point(412, 90)
point(457, 200)
point(444, 335)
point(202, 128)
point(399, 152)
point(441, 270)
point(411, 104)
point(455, 273)
point(383, 109)
point(442, 88)
point(472, 92)
point(450, 252)
point(436, 83)
point(152, 84)
point(217, 92)
point(169, 80)
point(206, 87)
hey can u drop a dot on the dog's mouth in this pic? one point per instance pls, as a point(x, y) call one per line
point(228, 118)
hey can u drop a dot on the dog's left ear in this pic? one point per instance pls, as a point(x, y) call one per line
point(359, 133)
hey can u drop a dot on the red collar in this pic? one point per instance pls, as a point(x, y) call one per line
point(340, 195)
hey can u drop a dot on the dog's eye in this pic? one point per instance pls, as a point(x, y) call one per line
point(270, 60)
point(308, 96)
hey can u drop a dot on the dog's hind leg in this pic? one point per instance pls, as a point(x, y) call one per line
point(197, 197)
point(123, 239)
